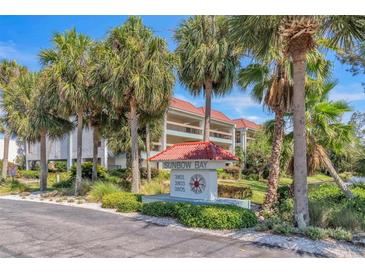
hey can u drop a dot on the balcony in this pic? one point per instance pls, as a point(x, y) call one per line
point(196, 133)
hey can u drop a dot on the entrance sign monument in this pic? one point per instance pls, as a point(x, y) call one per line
point(193, 176)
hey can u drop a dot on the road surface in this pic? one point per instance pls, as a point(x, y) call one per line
point(30, 229)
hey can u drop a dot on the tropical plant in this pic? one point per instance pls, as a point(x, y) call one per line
point(140, 78)
point(325, 131)
point(97, 110)
point(298, 35)
point(9, 72)
point(68, 62)
point(272, 84)
point(32, 114)
point(206, 59)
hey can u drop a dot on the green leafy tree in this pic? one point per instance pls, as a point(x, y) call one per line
point(272, 83)
point(299, 35)
point(32, 114)
point(206, 59)
point(9, 72)
point(69, 61)
point(140, 78)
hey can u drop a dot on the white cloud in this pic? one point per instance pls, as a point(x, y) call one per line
point(9, 50)
point(350, 93)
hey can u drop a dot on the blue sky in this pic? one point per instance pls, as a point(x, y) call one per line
point(22, 37)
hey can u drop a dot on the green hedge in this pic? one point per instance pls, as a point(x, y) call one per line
point(87, 169)
point(205, 216)
point(234, 191)
point(28, 174)
point(122, 201)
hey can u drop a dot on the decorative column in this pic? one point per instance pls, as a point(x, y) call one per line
point(245, 144)
point(104, 156)
point(26, 155)
point(164, 133)
point(233, 140)
point(69, 152)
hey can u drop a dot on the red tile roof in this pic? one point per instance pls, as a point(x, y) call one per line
point(216, 115)
point(194, 151)
point(186, 106)
point(243, 123)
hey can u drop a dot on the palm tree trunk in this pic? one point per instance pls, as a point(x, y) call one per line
point(79, 152)
point(133, 120)
point(208, 88)
point(274, 172)
point(329, 166)
point(301, 212)
point(95, 153)
point(148, 151)
point(43, 162)
point(4, 172)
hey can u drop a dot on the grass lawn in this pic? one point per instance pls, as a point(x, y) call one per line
point(259, 188)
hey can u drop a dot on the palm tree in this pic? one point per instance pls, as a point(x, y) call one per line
point(140, 78)
point(206, 59)
point(9, 72)
point(97, 113)
point(273, 85)
point(32, 114)
point(69, 60)
point(325, 131)
point(297, 35)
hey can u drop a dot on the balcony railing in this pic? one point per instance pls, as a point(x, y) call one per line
point(197, 130)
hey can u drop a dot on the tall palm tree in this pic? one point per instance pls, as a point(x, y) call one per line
point(299, 35)
point(97, 109)
point(69, 60)
point(272, 84)
point(140, 77)
point(32, 114)
point(9, 72)
point(206, 59)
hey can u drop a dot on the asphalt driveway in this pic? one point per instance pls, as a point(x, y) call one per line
point(29, 229)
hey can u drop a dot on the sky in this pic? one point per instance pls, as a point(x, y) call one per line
point(22, 37)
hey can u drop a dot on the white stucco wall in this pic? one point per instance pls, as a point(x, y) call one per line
point(13, 149)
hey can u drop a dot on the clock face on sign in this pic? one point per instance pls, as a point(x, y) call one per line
point(197, 183)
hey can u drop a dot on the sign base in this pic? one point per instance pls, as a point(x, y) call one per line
point(218, 201)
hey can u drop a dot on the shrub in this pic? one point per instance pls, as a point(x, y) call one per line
point(28, 174)
point(61, 166)
point(284, 193)
point(64, 184)
point(233, 171)
point(205, 216)
point(100, 189)
point(10, 185)
point(154, 172)
point(122, 201)
point(339, 234)
point(160, 209)
point(286, 210)
point(252, 177)
point(346, 218)
point(315, 233)
point(327, 193)
point(319, 213)
point(87, 169)
point(216, 217)
point(283, 228)
point(233, 191)
point(85, 187)
point(154, 188)
point(268, 223)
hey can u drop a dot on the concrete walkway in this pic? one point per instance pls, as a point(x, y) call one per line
point(30, 229)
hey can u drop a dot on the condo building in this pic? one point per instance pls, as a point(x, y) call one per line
point(183, 122)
